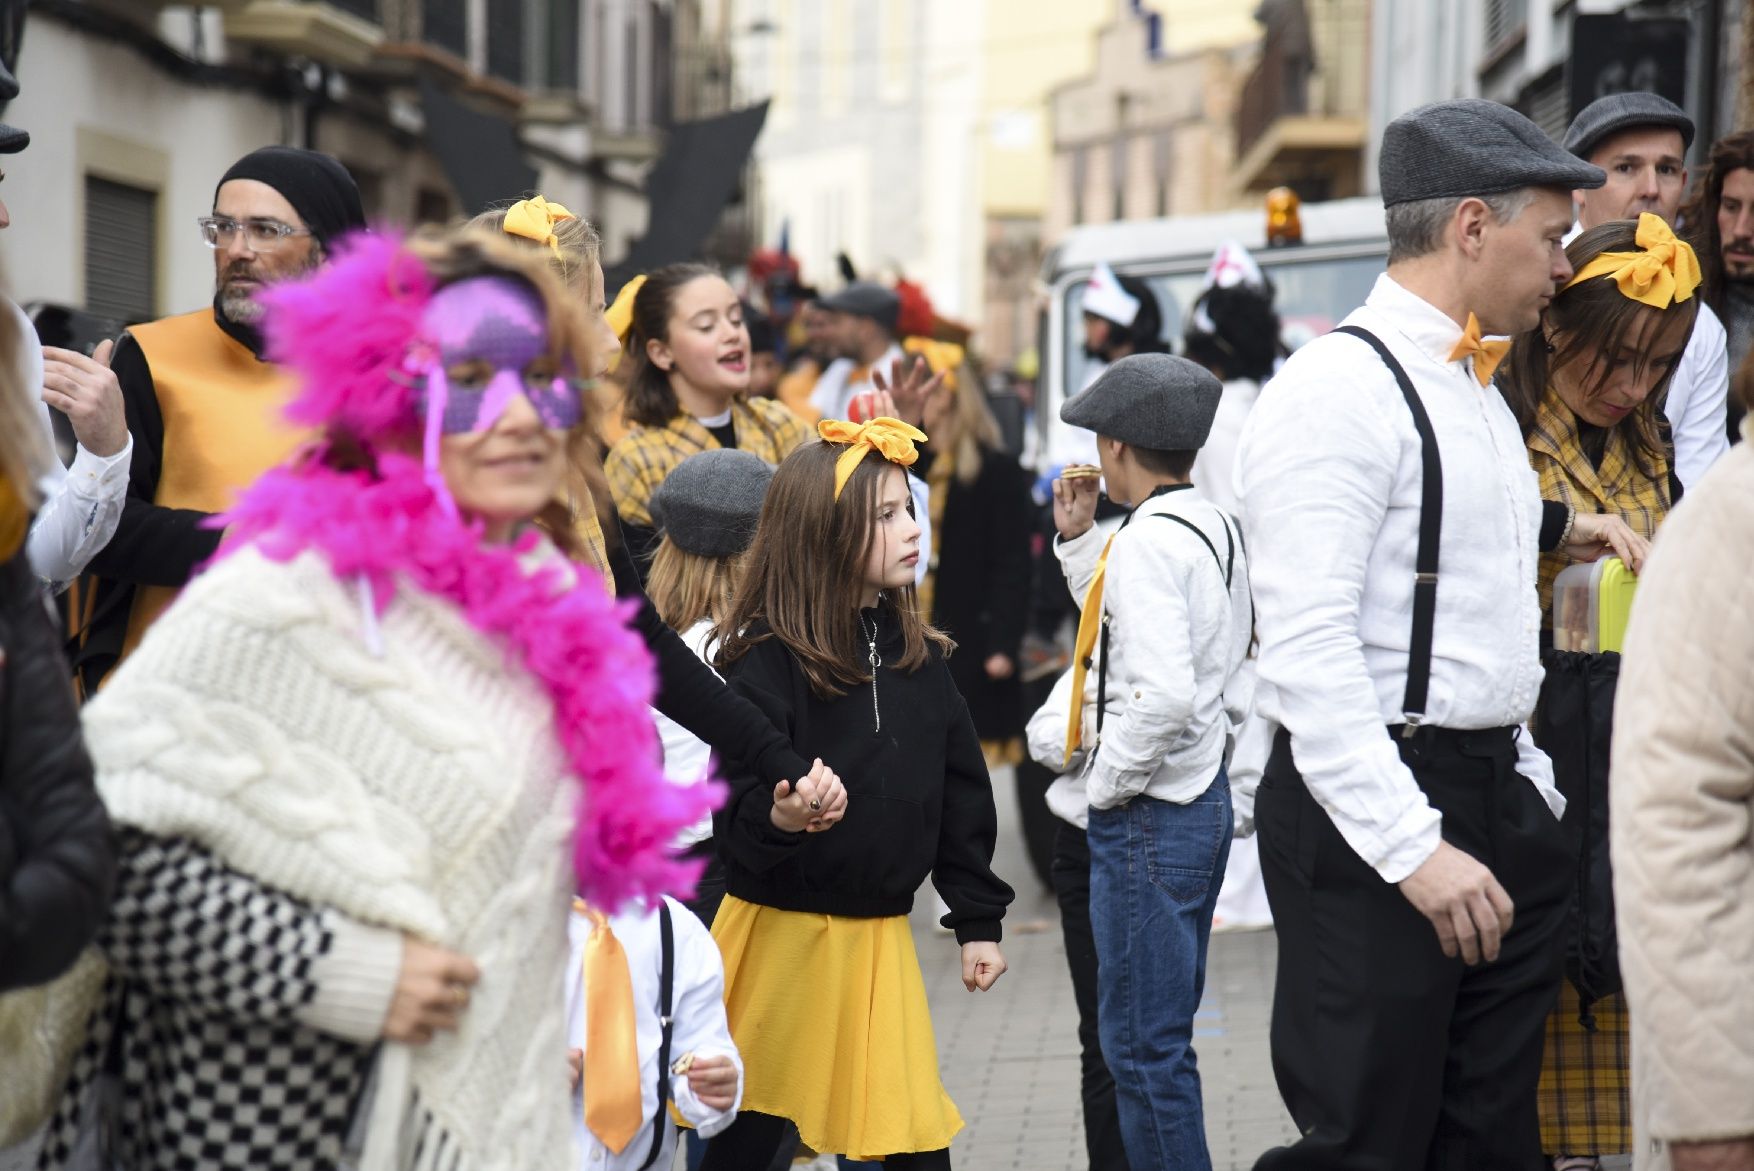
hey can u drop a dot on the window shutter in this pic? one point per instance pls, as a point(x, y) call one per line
point(121, 250)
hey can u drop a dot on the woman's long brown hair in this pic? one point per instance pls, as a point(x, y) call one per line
point(806, 575)
point(1587, 323)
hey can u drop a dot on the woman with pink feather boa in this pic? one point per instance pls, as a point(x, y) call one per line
point(364, 763)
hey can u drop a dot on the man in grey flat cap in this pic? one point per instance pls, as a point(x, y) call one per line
point(1154, 699)
point(1409, 830)
point(1640, 141)
point(861, 326)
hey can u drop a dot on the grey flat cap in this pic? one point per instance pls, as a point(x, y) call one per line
point(1608, 116)
point(709, 505)
point(866, 299)
point(1472, 147)
point(1158, 401)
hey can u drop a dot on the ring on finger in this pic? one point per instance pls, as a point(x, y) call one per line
point(816, 806)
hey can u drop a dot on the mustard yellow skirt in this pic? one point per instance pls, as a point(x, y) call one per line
point(1585, 1095)
point(830, 1016)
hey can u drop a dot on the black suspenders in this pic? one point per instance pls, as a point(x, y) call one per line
point(1430, 526)
point(666, 1027)
point(1227, 568)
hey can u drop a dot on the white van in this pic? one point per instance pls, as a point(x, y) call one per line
point(1319, 281)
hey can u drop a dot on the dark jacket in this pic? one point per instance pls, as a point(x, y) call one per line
point(919, 800)
point(57, 856)
point(982, 594)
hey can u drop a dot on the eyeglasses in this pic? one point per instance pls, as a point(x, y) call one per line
point(261, 235)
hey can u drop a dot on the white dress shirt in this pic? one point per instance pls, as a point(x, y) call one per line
point(1329, 475)
point(80, 510)
point(698, 1008)
point(1697, 394)
point(687, 758)
point(834, 391)
point(1177, 642)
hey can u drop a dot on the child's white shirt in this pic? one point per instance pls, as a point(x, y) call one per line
point(698, 1008)
point(687, 758)
point(1177, 644)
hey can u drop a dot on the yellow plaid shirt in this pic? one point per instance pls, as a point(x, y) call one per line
point(640, 460)
point(1620, 486)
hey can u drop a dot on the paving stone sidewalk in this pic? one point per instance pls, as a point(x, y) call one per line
point(1010, 1056)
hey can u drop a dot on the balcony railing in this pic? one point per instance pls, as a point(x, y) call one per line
point(1278, 88)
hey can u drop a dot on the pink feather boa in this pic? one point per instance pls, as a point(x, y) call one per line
point(345, 332)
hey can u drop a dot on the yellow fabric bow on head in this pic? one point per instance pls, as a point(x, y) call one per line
point(1664, 271)
point(534, 219)
point(1486, 352)
point(942, 357)
point(890, 438)
point(619, 315)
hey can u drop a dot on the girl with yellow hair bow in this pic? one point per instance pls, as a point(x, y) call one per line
point(827, 636)
point(1588, 387)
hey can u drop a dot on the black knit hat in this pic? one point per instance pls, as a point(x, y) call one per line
point(318, 187)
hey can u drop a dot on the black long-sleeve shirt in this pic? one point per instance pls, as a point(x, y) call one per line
point(919, 800)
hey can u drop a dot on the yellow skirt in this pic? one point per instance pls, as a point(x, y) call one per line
point(830, 1016)
point(1585, 1095)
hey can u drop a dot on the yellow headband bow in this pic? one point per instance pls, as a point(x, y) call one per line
point(943, 357)
point(534, 219)
point(890, 438)
point(1664, 271)
point(619, 315)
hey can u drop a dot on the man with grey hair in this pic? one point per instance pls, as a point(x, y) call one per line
point(1640, 141)
point(203, 404)
point(1409, 829)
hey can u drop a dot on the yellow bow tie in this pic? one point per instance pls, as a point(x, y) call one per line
point(941, 357)
point(890, 438)
point(534, 219)
point(611, 1084)
point(1486, 352)
point(1664, 271)
point(1089, 623)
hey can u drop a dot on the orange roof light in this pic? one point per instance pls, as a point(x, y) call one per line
point(1283, 225)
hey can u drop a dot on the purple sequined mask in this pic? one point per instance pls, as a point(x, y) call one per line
point(498, 326)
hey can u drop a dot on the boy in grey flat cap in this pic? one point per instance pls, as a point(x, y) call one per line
point(1156, 691)
point(1409, 830)
point(1640, 141)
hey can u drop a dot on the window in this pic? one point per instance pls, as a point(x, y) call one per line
point(505, 41)
point(121, 250)
point(1504, 19)
point(446, 24)
point(563, 45)
point(365, 9)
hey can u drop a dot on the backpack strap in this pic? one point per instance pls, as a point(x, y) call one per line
point(666, 1029)
point(1430, 529)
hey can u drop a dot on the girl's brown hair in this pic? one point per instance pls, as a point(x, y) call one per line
point(1588, 323)
point(24, 454)
point(686, 588)
point(969, 429)
point(463, 253)
point(806, 575)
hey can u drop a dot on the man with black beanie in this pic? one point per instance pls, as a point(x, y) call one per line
point(203, 404)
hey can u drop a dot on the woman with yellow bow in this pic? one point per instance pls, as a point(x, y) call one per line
point(976, 587)
point(1588, 387)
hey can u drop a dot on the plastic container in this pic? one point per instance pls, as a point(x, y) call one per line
point(1591, 604)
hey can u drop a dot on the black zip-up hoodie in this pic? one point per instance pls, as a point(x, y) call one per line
point(919, 800)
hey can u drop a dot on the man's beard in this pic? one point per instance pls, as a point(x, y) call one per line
point(240, 305)
point(1741, 271)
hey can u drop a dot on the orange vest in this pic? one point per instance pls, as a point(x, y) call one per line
point(222, 426)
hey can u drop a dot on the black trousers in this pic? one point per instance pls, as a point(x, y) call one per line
point(1102, 1124)
point(751, 1143)
point(709, 892)
point(1389, 1055)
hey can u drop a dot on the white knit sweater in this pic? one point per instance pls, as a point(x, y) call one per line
point(421, 790)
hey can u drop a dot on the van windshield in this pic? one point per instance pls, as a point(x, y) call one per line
point(1313, 296)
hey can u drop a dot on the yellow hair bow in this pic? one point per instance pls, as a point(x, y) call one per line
point(619, 315)
point(890, 438)
point(1664, 271)
point(942, 357)
point(534, 219)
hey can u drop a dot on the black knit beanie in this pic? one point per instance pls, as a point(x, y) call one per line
point(318, 187)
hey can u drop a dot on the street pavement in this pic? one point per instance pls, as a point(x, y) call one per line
point(1010, 1056)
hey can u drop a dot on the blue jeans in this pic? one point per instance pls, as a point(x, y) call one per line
point(1155, 870)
